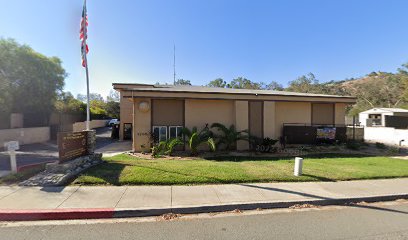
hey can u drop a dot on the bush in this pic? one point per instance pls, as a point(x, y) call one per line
point(166, 147)
point(264, 144)
point(393, 150)
point(230, 136)
point(380, 145)
point(353, 145)
point(196, 138)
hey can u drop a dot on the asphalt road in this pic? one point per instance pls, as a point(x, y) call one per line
point(48, 152)
point(374, 221)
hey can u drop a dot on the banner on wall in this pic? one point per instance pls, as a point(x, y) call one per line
point(326, 133)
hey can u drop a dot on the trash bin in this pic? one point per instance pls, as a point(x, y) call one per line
point(115, 131)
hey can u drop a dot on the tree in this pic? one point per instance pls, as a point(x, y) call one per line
point(29, 81)
point(98, 108)
point(182, 82)
point(243, 83)
point(305, 84)
point(66, 103)
point(113, 96)
point(113, 109)
point(92, 96)
point(219, 82)
point(274, 86)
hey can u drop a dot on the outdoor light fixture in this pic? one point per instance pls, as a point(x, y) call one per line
point(144, 106)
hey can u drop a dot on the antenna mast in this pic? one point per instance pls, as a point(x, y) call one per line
point(174, 66)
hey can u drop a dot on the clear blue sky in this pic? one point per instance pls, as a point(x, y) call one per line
point(132, 40)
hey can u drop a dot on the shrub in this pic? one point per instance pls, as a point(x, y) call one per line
point(196, 138)
point(380, 145)
point(229, 135)
point(393, 150)
point(264, 144)
point(353, 145)
point(165, 147)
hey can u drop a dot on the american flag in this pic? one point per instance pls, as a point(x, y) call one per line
point(83, 35)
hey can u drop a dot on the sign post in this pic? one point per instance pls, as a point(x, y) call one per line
point(11, 147)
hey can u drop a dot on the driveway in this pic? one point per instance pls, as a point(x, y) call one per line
point(48, 152)
point(31, 154)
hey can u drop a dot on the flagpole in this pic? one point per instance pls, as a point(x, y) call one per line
point(88, 111)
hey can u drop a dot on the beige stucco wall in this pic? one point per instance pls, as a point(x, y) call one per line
point(142, 127)
point(125, 113)
point(16, 120)
point(167, 112)
point(323, 113)
point(340, 113)
point(200, 112)
point(81, 126)
point(269, 119)
point(25, 135)
point(291, 112)
point(241, 122)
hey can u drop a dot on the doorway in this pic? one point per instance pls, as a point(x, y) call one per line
point(127, 131)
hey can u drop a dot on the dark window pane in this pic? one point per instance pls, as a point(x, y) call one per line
point(156, 134)
point(179, 131)
point(173, 132)
point(163, 133)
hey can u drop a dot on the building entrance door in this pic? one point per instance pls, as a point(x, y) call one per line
point(127, 131)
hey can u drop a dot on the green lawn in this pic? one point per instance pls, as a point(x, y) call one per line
point(21, 176)
point(128, 170)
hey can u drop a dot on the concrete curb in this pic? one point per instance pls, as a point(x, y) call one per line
point(99, 213)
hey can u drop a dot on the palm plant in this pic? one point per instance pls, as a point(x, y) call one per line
point(171, 144)
point(196, 138)
point(230, 135)
point(166, 147)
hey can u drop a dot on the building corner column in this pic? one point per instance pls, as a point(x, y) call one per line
point(269, 120)
point(241, 122)
point(141, 126)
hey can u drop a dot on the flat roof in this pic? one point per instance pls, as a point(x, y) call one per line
point(214, 90)
point(385, 110)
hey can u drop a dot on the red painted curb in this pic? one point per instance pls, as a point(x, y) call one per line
point(56, 214)
point(29, 166)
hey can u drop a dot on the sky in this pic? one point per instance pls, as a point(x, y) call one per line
point(131, 41)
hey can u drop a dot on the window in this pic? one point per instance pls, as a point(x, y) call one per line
point(159, 133)
point(162, 133)
point(175, 131)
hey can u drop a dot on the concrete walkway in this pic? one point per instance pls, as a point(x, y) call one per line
point(154, 200)
point(115, 148)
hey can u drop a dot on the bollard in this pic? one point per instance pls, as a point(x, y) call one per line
point(11, 147)
point(298, 166)
point(13, 161)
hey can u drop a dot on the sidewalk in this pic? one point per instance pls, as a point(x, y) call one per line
point(33, 203)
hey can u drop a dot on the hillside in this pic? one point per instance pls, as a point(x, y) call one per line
point(377, 89)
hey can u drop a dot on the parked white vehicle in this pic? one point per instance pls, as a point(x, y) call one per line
point(113, 122)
